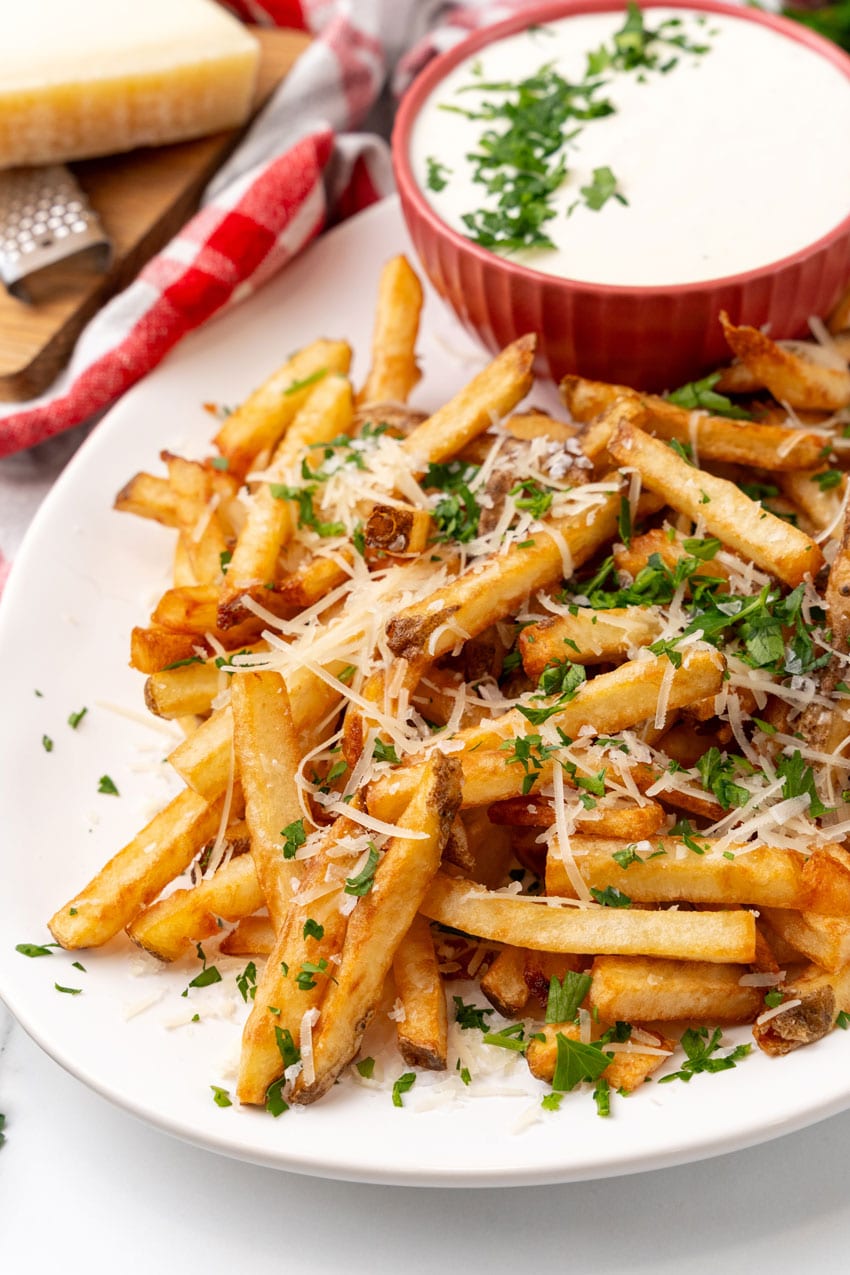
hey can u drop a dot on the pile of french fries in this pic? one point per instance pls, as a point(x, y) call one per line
point(565, 697)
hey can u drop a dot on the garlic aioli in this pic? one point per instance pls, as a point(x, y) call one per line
point(730, 160)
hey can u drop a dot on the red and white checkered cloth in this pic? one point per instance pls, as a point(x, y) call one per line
point(299, 167)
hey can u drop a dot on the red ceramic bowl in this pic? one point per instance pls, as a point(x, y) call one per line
point(648, 337)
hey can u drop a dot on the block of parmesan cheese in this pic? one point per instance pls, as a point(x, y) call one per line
point(95, 77)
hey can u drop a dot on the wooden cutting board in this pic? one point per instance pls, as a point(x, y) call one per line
point(142, 199)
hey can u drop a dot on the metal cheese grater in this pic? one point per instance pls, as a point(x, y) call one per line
point(45, 219)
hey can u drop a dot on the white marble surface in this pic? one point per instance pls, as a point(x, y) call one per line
point(85, 1188)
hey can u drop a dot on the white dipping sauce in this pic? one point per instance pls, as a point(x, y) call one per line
point(731, 160)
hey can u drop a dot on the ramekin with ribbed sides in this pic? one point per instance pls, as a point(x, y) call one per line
point(613, 178)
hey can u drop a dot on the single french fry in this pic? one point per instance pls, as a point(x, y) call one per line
point(397, 529)
point(629, 1067)
point(820, 502)
point(713, 437)
point(801, 373)
point(636, 988)
point(179, 692)
point(504, 983)
point(823, 939)
point(689, 936)
point(377, 926)
point(669, 871)
point(258, 423)
point(726, 512)
point(609, 702)
point(538, 424)
point(267, 754)
point(135, 875)
point(475, 600)
point(167, 929)
point(588, 637)
point(149, 497)
point(154, 648)
point(813, 999)
point(271, 522)
point(282, 998)
point(195, 610)
point(251, 936)
point(423, 1031)
point(394, 373)
point(627, 821)
point(488, 396)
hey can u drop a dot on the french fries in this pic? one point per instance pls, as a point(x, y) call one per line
point(537, 704)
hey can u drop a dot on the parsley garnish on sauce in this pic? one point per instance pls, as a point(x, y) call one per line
point(468, 1016)
point(438, 174)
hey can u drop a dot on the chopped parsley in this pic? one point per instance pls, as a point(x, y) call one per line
point(365, 879)
point(247, 981)
point(602, 188)
point(828, 478)
point(532, 497)
point(192, 659)
point(297, 386)
point(221, 1097)
point(275, 1104)
point(47, 743)
point(799, 779)
point(611, 897)
point(304, 978)
point(773, 999)
point(366, 1068)
point(577, 1062)
point(307, 516)
point(107, 785)
point(75, 718)
point(565, 996)
point(35, 949)
point(457, 511)
point(602, 1097)
point(70, 991)
point(552, 1101)
point(209, 973)
point(402, 1086)
point(385, 752)
point(294, 836)
point(701, 1050)
point(468, 1016)
point(286, 1047)
point(843, 1020)
point(511, 1037)
point(701, 395)
point(312, 929)
point(438, 174)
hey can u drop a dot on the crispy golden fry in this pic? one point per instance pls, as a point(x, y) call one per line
point(265, 1033)
point(377, 926)
point(712, 437)
point(823, 939)
point(588, 637)
point(636, 988)
point(488, 396)
point(397, 529)
point(423, 1031)
point(183, 691)
point(251, 936)
point(475, 600)
point(726, 512)
point(194, 610)
point(762, 877)
point(689, 936)
point(628, 1069)
point(801, 373)
point(819, 997)
point(632, 822)
point(167, 929)
point(394, 373)
point(271, 522)
point(268, 754)
point(154, 648)
point(820, 503)
point(536, 424)
point(610, 702)
point(160, 852)
point(149, 497)
point(504, 983)
point(258, 423)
